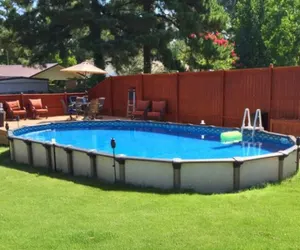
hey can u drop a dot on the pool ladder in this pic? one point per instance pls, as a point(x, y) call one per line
point(256, 146)
point(248, 145)
point(249, 126)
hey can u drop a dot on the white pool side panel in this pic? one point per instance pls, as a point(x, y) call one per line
point(207, 177)
point(259, 171)
point(149, 174)
point(39, 155)
point(203, 176)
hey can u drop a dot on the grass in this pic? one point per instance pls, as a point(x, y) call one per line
point(52, 211)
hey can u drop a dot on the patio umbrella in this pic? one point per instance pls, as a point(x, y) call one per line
point(85, 68)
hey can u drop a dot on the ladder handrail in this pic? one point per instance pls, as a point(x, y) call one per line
point(260, 126)
point(246, 115)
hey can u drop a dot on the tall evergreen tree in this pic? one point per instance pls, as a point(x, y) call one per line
point(152, 25)
point(250, 46)
point(115, 29)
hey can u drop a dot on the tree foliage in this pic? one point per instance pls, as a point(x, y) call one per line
point(11, 52)
point(250, 46)
point(281, 31)
point(210, 50)
point(115, 30)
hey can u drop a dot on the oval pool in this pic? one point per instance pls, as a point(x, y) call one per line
point(156, 154)
point(154, 143)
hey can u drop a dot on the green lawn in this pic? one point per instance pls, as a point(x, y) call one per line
point(40, 211)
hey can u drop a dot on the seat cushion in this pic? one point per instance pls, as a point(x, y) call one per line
point(13, 105)
point(41, 111)
point(142, 105)
point(19, 112)
point(158, 106)
point(153, 114)
point(36, 103)
point(138, 113)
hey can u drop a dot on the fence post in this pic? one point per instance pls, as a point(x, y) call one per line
point(22, 99)
point(66, 98)
point(223, 101)
point(271, 94)
point(177, 98)
point(142, 88)
point(111, 84)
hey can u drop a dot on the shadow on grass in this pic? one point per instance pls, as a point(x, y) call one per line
point(96, 183)
point(5, 162)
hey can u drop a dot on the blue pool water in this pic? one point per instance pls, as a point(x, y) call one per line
point(147, 144)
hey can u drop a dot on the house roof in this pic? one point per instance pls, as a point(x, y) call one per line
point(23, 71)
point(8, 78)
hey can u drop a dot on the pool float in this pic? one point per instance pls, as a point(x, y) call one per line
point(231, 137)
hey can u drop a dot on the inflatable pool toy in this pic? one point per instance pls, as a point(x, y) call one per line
point(231, 137)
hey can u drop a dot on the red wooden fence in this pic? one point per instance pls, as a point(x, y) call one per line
point(201, 97)
point(218, 97)
point(249, 88)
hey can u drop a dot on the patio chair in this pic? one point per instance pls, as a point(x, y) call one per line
point(93, 108)
point(36, 108)
point(142, 107)
point(72, 100)
point(14, 109)
point(68, 110)
point(158, 110)
point(101, 105)
point(80, 106)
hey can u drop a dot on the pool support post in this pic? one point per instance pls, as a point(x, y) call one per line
point(93, 164)
point(236, 173)
point(54, 154)
point(280, 165)
point(29, 152)
point(113, 145)
point(11, 148)
point(176, 173)
point(121, 160)
point(69, 152)
point(47, 147)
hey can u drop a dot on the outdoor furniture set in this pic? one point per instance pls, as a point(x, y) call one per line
point(35, 109)
point(146, 110)
point(81, 106)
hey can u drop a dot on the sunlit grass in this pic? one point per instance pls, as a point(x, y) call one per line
point(49, 211)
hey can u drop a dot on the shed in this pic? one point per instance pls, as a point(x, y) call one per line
point(15, 85)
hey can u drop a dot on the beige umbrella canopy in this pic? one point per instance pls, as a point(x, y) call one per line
point(85, 68)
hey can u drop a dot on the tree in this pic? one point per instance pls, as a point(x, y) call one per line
point(115, 30)
point(250, 45)
point(205, 51)
point(281, 31)
point(152, 25)
point(11, 52)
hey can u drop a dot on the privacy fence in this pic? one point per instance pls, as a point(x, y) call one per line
point(52, 101)
point(218, 97)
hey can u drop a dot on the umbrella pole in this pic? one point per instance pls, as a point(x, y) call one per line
point(85, 81)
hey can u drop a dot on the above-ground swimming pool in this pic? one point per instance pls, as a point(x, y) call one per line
point(162, 155)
